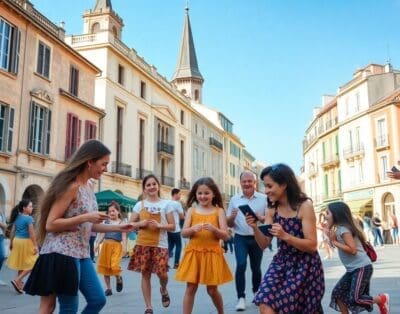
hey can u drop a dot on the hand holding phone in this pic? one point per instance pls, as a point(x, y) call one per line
point(395, 169)
point(265, 229)
point(246, 209)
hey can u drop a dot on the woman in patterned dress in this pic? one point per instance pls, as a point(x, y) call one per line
point(67, 216)
point(294, 281)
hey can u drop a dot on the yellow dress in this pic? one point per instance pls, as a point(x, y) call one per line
point(204, 261)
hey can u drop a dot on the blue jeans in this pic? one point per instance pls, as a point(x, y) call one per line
point(247, 245)
point(377, 236)
point(2, 251)
point(90, 287)
point(175, 240)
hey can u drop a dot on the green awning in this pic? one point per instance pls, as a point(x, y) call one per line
point(104, 198)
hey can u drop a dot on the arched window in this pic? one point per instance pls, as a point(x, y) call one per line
point(388, 206)
point(95, 28)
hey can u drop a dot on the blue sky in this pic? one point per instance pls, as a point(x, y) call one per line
point(266, 63)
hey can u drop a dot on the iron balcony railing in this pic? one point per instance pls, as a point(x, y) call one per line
point(165, 148)
point(184, 185)
point(354, 150)
point(141, 173)
point(216, 143)
point(121, 168)
point(167, 181)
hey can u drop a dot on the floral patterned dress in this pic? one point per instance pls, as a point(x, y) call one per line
point(294, 281)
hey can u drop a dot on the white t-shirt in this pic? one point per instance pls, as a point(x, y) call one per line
point(162, 207)
point(177, 209)
point(258, 203)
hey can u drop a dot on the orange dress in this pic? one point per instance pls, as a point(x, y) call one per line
point(204, 261)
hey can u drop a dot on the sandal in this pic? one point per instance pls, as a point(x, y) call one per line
point(120, 284)
point(165, 300)
point(148, 311)
point(16, 287)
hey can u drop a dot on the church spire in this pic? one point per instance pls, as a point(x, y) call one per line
point(101, 5)
point(187, 68)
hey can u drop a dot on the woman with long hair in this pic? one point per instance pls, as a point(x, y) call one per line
point(294, 281)
point(67, 216)
point(23, 247)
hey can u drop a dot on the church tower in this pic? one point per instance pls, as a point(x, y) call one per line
point(102, 18)
point(187, 77)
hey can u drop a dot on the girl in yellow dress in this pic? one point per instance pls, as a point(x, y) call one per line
point(204, 261)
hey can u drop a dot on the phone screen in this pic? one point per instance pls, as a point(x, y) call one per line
point(246, 209)
point(265, 230)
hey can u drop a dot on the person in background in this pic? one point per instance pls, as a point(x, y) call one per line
point(67, 216)
point(229, 243)
point(376, 224)
point(322, 228)
point(245, 244)
point(351, 293)
point(394, 224)
point(112, 250)
point(174, 237)
point(367, 224)
point(153, 218)
point(203, 261)
point(3, 227)
point(294, 281)
point(92, 240)
point(23, 246)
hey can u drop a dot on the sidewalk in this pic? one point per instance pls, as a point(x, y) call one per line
point(386, 278)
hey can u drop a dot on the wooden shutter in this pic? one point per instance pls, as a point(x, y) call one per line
point(47, 132)
point(31, 126)
point(68, 137)
point(10, 132)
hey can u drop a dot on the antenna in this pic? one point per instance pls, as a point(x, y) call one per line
point(388, 53)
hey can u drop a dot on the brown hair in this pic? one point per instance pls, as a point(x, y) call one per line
point(209, 182)
point(91, 150)
point(116, 206)
point(151, 176)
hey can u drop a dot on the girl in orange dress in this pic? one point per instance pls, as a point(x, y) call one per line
point(204, 261)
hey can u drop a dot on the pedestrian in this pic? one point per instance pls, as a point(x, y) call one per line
point(153, 218)
point(294, 281)
point(229, 243)
point(245, 244)
point(174, 237)
point(67, 216)
point(23, 246)
point(367, 224)
point(394, 224)
point(376, 224)
point(112, 250)
point(204, 262)
point(351, 293)
point(323, 230)
point(3, 227)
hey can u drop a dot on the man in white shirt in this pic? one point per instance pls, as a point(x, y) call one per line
point(245, 244)
point(174, 238)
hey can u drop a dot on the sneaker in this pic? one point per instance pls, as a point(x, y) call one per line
point(241, 306)
point(384, 305)
point(120, 284)
point(108, 292)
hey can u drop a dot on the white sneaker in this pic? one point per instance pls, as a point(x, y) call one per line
point(241, 306)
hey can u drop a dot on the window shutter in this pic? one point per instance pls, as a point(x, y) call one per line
point(46, 62)
point(10, 129)
point(94, 131)
point(39, 68)
point(14, 60)
point(68, 137)
point(31, 126)
point(48, 132)
point(78, 135)
point(87, 130)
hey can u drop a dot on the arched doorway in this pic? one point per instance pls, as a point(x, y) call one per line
point(388, 206)
point(34, 193)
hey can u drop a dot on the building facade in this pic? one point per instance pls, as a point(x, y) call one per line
point(46, 110)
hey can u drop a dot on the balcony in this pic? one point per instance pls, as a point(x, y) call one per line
point(165, 149)
point(331, 123)
point(141, 173)
point(184, 185)
point(167, 181)
point(312, 171)
point(330, 161)
point(121, 168)
point(354, 152)
point(216, 144)
point(382, 142)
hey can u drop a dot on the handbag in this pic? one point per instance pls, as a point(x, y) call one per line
point(369, 249)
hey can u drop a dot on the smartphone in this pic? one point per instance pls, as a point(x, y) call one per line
point(394, 169)
point(265, 230)
point(246, 209)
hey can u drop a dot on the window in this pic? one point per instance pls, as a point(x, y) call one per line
point(95, 28)
point(120, 128)
point(182, 166)
point(234, 150)
point(9, 47)
point(43, 61)
point(381, 130)
point(143, 89)
point(196, 95)
point(6, 128)
point(73, 80)
point(121, 74)
point(182, 117)
point(90, 130)
point(141, 143)
point(39, 129)
point(384, 167)
point(73, 138)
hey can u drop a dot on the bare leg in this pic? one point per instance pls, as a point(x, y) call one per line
point(342, 307)
point(107, 282)
point(21, 275)
point(266, 309)
point(163, 283)
point(188, 299)
point(216, 298)
point(146, 289)
point(47, 304)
